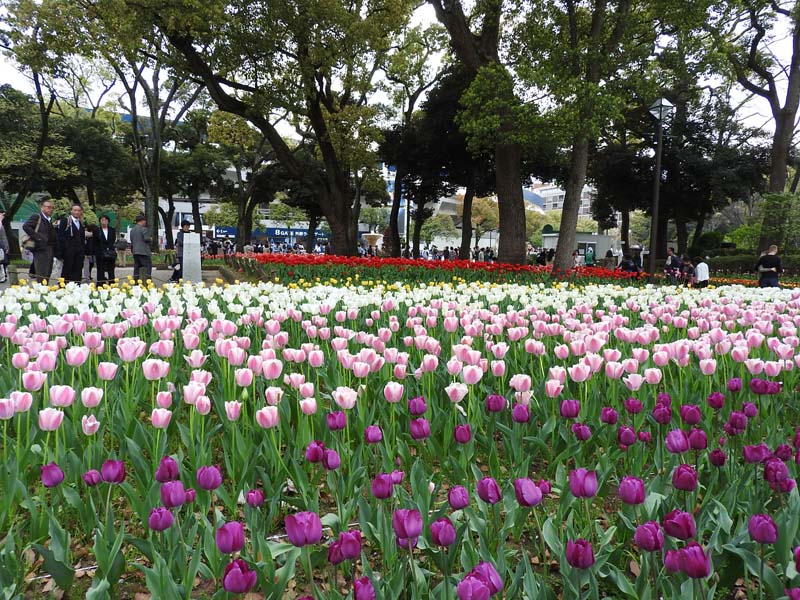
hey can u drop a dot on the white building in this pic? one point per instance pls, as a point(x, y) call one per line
point(553, 197)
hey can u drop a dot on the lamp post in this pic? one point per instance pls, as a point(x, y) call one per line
point(661, 109)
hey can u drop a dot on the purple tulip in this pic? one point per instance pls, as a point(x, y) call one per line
point(363, 589)
point(718, 457)
point(581, 431)
point(113, 471)
point(420, 429)
point(527, 492)
point(734, 384)
point(521, 413)
point(315, 451)
point(373, 434)
point(230, 537)
point(397, 476)
point(173, 494)
point(664, 398)
point(690, 414)
point(490, 575)
point(417, 406)
point(545, 486)
point(407, 523)
point(336, 420)
point(672, 561)
point(649, 536)
point(209, 478)
point(750, 410)
point(698, 440)
point(335, 555)
point(462, 433)
point(608, 415)
point(303, 528)
point(626, 436)
point(784, 452)
point(633, 406)
point(684, 477)
point(756, 454)
point(796, 556)
point(92, 477)
point(255, 498)
point(570, 409)
point(792, 593)
point(775, 471)
point(160, 519)
point(168, 470)
point(759, 386)
point(580, 554)
point(458, 497)
point(762, 529)
point(350, 543)
point(737, 421)
point(677, 441)
point(442, 532)
point(382, 486)
point(190, 495)
point(631, 490)
point(238, 578)
point(489, 491)
point(695, 562)
point(680, 525)
point(662, 413)
point(715, 400)
point(52, 475)
point(583, 483)
point(330, 459)
point(473, 587)
point(644, 436)
point(495, 403)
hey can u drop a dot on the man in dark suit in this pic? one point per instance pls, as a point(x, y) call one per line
point(105, 251)
point(40, 228)
point(72, 234)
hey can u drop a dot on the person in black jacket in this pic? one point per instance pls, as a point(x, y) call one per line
point(72, 237)
point(769, 268)
point(105, 251)
point(40, 228)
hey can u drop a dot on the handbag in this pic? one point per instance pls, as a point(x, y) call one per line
point(109, 253)
point(27, 242)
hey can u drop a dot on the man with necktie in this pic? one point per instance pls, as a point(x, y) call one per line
point(72, 235)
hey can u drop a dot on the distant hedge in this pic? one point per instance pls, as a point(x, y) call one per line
point(743, 263)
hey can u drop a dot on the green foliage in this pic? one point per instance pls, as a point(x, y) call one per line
point(710, 240)
point(223, 214)
point(288, 215)
point(438, 226)
point(377, 217)
point(745, 237)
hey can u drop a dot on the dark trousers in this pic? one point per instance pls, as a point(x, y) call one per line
point(768, 281)
point(105, 270)
point(142, 267)
point(72, 269)
point(42, 264)
point(177, 274)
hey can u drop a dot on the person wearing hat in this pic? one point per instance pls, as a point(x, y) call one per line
point(177, 274)
point(140, 246)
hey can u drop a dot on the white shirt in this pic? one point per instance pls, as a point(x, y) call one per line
point(701, 271)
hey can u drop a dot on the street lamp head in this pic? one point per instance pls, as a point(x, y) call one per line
point(661, 109)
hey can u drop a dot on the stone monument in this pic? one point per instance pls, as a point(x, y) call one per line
point(191, 258)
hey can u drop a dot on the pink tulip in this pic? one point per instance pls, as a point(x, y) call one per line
point(243, 377)
point(233, 410)
point(200, 376)
point(429, 363)
point(454, 366)
point(316, 358)
point(154, 369)
point(129, 349)
point(552, 388)
point(203, 405)
point(520, 382)
point(561, 351)
point(164, 399)
point(345, 397)
point(76, 355)
point(633, 381)
point(50, 419)
point(308, 406)
point(46, 361)
point(393, 391)
point(271, 368)
point(106, 371)
point(772, 368)
point(62, 395)
point(614, 370)
point(456, 392)
point(579, 373)
point(294, 379)
point(192, 391)
point(471, 374)
point(399, 371)
point(6, 409)
point(630, 365)
point(190, 341)
point(91, 396)
point(22, 401)
point(267, 417)
point(196, 359)
point(306, 390)
point(559, 373)
point(360, 369)
point(89, 425)
point(273, 395)
point(20, 360)
point(160, 418)
point(498, 368)
point(652, 376)
point(708, 366)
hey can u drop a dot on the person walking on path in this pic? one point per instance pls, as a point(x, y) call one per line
point(142, 255)
point(71, 245)
point(177, 274)
point(105, 251)
point(39, 228)
point(769, 268)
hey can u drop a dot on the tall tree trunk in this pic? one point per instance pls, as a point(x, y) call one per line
point(579, 160)
point(419, 219)
point(198, 225)
point(682, 233)
point(625, 230)
point(510, 203)
point(313, 221)
point(698, 230)
point(466, 223)
point(662, 237)
point(779, 159)
point(394, 216)
point(167, 218)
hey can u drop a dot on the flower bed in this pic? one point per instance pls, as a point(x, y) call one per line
point(453, 441)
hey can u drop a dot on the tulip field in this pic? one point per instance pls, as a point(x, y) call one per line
point(460, 440)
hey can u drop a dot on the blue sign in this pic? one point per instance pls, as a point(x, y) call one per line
point(224, 231)
point(283, 232)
